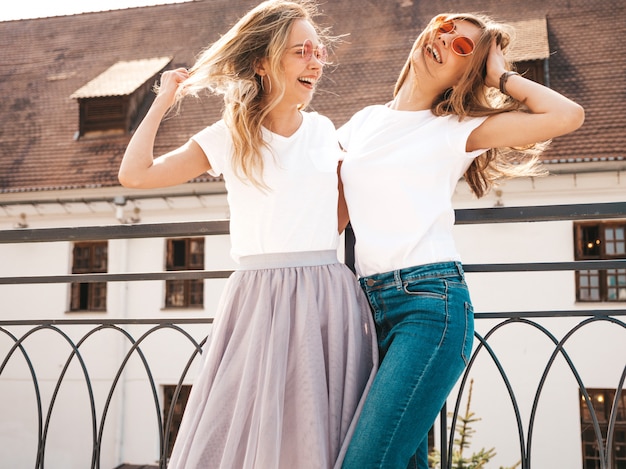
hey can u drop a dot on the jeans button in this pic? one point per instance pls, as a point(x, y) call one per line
point(370, 282)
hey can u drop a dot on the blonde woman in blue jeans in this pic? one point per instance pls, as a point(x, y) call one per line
point(458, 110)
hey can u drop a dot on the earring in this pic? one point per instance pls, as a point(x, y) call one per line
point(269, 80)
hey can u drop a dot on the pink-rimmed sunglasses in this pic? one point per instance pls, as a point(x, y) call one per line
point(321, 54)
point(461, 45)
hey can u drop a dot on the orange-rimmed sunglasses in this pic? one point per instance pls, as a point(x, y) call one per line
point(461, 45)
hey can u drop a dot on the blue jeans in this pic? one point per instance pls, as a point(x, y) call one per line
point(425, 325)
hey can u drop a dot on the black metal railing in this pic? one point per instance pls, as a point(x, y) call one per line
point(16, 335)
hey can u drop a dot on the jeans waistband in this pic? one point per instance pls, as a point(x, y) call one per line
point(452, 269)
point(287, 259)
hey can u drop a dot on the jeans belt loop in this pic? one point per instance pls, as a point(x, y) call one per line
point(459, 268)
point(397, 276)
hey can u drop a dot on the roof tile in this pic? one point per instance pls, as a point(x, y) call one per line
point(122, 78)
point(46, 60)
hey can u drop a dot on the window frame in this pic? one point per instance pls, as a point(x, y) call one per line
point(179, 409)
point(603, 409)
point(604, 281)
point(89, 257)
point(534, 70)
point(184, 293)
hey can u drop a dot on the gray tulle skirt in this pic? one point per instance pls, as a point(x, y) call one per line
point(290, 359)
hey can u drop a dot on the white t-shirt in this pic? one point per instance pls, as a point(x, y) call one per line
point(299, 211)
point(399, 175)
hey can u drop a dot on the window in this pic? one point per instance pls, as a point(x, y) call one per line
point(602, 401)
point(530, 50)
point(115, 101)
point(104, 114)
point(185, 254)
point(600, 240)
point(533, 70)
point(177, 410)
point(89, 257)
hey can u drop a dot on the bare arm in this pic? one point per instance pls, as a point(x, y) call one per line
point(550, 113)
point(139, 168)
point(342, 208)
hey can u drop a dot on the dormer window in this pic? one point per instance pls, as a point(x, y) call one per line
point(530, 49)
point(111, 102)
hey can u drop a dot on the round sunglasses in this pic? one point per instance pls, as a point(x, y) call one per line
point(461, 45)
point(321, 54)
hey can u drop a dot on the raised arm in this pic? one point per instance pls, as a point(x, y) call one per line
point(139, 169)
point(549, 115)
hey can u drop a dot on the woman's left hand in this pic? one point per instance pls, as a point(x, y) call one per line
point(495, 65)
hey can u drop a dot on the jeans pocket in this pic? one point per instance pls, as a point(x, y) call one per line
point(430, 288)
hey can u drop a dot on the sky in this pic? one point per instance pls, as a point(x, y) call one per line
point(24, 9)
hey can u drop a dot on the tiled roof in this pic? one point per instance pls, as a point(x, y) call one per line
point(45, 61)
point(122, 78)
point(531, 40)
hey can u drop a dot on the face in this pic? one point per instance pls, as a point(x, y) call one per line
point(446, 50)
point(302, 63)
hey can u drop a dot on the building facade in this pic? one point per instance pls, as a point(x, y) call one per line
point(64, 128)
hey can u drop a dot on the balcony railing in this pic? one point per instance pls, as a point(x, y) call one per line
point(140, 335)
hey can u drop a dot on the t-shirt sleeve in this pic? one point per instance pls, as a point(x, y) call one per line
point(216, 143)
point(330, 136)
point(460, 132)
point(350, 130)
point(344, 133)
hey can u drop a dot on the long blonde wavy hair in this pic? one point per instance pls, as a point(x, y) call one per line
point(471, 97)
point(228, 68)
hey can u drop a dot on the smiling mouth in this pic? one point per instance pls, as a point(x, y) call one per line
point(434, 53)
point(307, 81)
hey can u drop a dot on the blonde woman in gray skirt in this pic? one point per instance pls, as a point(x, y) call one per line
point(292, 350)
